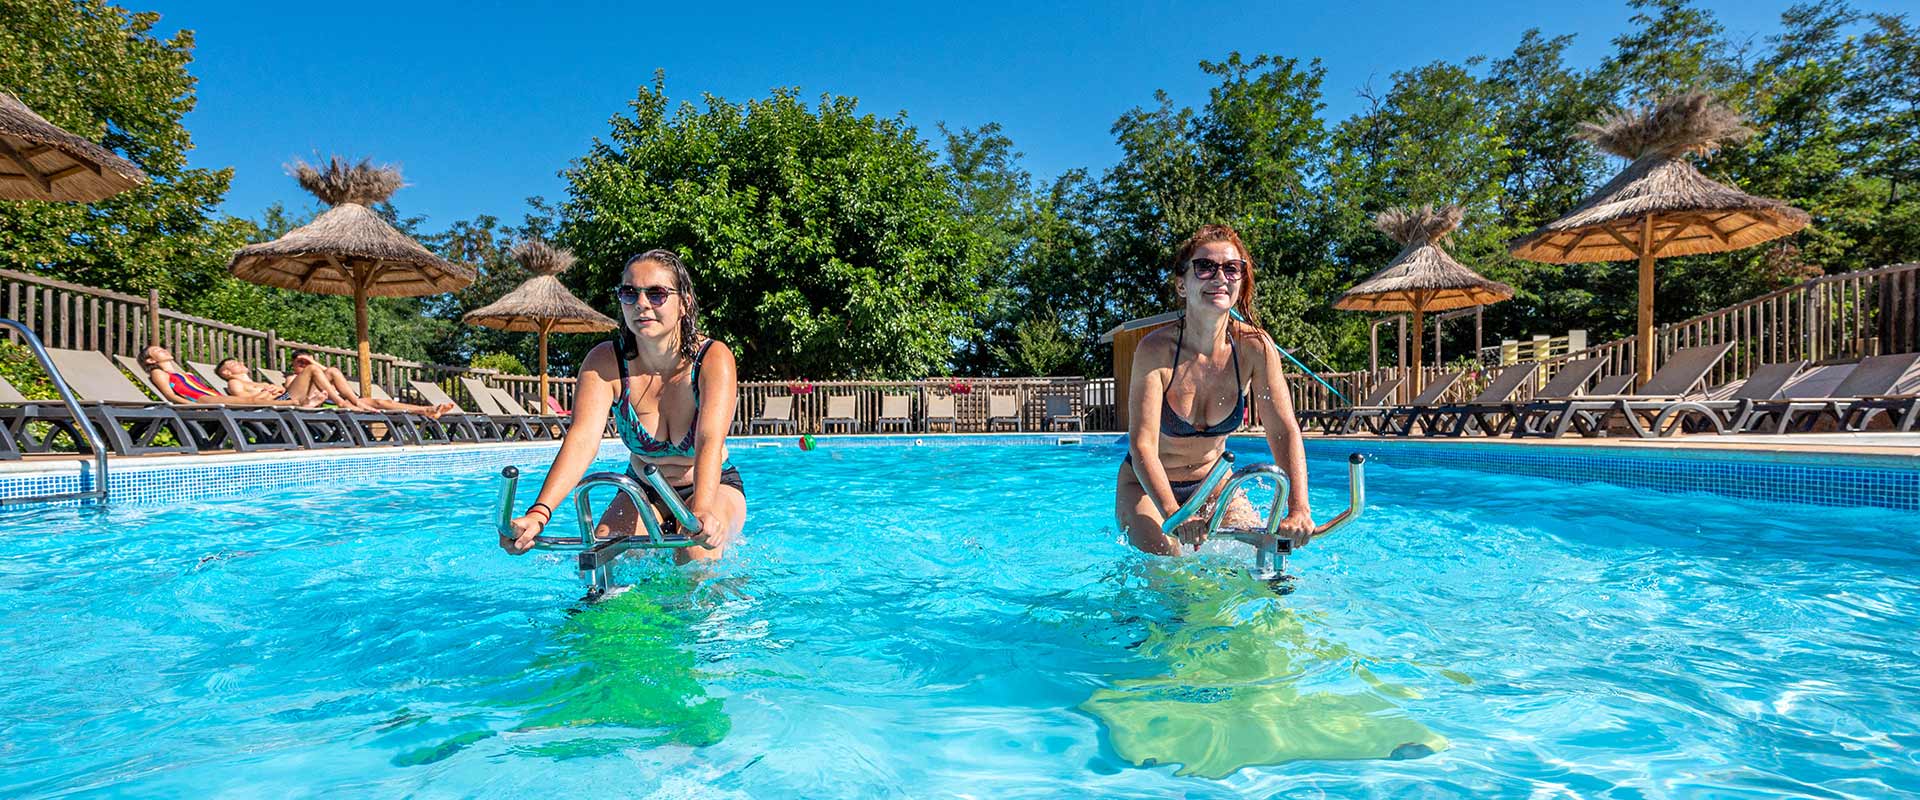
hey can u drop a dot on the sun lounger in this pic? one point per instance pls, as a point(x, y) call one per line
point(554, 408)
point(311, 427)
point(941, 410)
point(513, 424)
point(1399, 419)
point(896, 410)
point(1718, 411)
point(1874, 381)
point(1060, 412)
point(841, 413)
point(128, 421)
point(1611, 386)
point(1336, 419)
point(1489, 410)
point(1901, 405)
point(556, 426)
point(1003, 409)
point(9, 396)
point(1590, 415)
point(776, 414)
point(461, 425)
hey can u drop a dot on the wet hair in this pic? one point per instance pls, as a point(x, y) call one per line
point(626, 344)
point(1208, 234)
point(222, 366)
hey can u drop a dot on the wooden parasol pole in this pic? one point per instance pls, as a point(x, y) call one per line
point(1419, 311)
point(360, 281)
point(546, 326)
point(1643, 354)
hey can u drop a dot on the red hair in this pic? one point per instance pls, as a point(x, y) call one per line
point(1209, 234)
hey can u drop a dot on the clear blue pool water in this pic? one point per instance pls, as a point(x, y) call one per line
point(965, 622)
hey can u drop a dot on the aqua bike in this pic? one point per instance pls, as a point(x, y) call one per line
point(1269, 548)
point(597, 555)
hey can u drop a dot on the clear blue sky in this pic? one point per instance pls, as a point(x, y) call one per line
point(482, 103)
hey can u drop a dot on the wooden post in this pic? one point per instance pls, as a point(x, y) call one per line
point(153, 317)
point(546, 327)
point(272, 359)
point(1644, 354)
point(360, 329)
point(1418, 313)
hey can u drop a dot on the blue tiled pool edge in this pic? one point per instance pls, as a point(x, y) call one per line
point(1830, 479)
point(1817, 478)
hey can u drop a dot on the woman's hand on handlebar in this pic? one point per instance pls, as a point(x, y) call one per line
point(709, 528)
point(525, 527)
point(1297, 528)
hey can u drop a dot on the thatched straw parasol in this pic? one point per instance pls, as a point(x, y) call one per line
point(350, 250)
point(1423, 277)
point(541, 305)
point(1661, 205)
point(39, 161)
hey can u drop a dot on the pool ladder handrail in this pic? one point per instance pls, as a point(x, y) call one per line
point(597, 555)
point(1269, 548)
point(80, 423)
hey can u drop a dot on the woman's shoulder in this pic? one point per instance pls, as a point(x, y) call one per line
point(603, 358)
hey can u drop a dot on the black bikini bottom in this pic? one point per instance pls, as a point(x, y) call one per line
point(728, 477)
point(1182, 490)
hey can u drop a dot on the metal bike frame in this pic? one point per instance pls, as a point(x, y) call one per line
point(1269, 548)
point(597, 556)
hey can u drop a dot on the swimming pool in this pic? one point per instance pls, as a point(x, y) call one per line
point(964, 621)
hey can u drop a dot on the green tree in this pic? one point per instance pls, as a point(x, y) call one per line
point(823, 241)
point(130, 96)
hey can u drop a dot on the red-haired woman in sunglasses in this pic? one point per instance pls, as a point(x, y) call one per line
point(671, 394)
point(1191, 385)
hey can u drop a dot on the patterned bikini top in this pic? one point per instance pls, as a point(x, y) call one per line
point(636, 437)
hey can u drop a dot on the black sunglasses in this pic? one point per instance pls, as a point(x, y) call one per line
point(1206, 268)
point(656, 295)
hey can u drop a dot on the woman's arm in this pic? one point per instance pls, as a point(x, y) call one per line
point(719, 393)
point(1147, 392)
point(1274, 403)
point(592, 402)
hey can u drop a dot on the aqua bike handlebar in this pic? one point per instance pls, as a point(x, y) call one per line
point(1266, 542)
point(597, 555)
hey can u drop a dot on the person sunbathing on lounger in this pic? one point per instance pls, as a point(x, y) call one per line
point(336, 383)
point(178, 386)
point(1192, 382)
point(308, 386)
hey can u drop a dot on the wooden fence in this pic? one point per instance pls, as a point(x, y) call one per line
point(1829, 318)
point(970, 400)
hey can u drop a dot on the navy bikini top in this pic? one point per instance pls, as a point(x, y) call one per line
point(1173, 425)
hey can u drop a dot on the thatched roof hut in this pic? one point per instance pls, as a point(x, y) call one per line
point(1661, 205)
point(542, 305)
point(39, 161)
point(1692, 213)
point(1423, 277)
point(543, 302)
point(350, 249)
